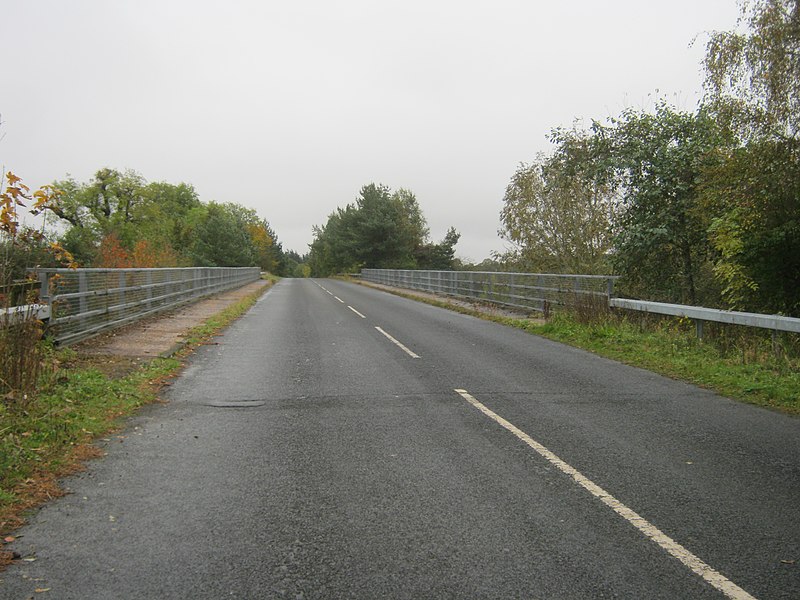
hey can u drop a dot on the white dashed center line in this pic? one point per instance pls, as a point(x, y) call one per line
point(398, 344)
point(355, 311)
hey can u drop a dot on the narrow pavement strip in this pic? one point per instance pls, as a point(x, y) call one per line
point(165, 334)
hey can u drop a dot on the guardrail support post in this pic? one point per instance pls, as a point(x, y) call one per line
point(698, 324)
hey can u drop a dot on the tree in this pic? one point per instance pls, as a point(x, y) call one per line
point(222, 239)
point(119, 220)
point(558, 209)
point(296, 265)
point(123, 205)
point(387, 228)
point(381, 229)
point(754, 196)
point(753, 77)
point(104, 205)
point(441, 256)
point(753, 87)
point(661, 243)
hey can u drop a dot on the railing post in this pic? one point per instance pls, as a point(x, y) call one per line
point(44, 291)
point(83, 289)
point(148, 279)
point(541, 292)
point(121, 285)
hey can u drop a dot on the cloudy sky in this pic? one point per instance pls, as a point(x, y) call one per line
point(291, 107)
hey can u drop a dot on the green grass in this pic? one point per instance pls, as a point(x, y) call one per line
point(749, 372)
point(39, 435)
point(41, 438)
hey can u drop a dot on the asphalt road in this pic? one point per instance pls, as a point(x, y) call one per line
point(310, 454)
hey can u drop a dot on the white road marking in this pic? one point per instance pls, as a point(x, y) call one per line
point(713, 577)
point(355, 311)
point(398, 344)
point(339, 299)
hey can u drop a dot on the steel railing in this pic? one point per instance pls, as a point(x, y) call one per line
point(529, 291)
point(84, 302)
point(700, 315)
point(534, 291)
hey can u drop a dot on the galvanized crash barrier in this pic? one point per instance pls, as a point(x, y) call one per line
point(701, 315)
point(528, 291)
point(84, 302)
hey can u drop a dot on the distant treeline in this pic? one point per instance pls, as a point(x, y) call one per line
point(118, 220)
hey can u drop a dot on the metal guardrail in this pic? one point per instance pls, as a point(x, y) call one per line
point(84, 302)
point(700, 315)
point(529, 291)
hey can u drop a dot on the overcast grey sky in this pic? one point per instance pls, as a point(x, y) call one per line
point(290, 107)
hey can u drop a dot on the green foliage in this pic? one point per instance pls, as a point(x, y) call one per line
point(381, 230)
point(754, 195)
point(661, 244)
point(83, 405)
point(704, 206)
point(221, 239)
point(557, 210)
point(119, 220)
point(753, 84)
point(123, 205)
point(296, 265)
point(753, 76)
point(748, 370)
point(438, 257)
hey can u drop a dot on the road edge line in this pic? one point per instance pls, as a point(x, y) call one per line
point(673, 548)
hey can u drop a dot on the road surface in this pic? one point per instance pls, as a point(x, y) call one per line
point(341, 442)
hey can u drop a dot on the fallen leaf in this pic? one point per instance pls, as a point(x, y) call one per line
point(9, 539)
point(788, 562)
point(42, 590)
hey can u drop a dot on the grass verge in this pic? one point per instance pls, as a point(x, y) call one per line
point(51, 435)
point(753, 375)
point(747, 370)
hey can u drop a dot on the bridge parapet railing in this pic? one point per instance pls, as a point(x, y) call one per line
point(528, 291)
point(84, 302)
